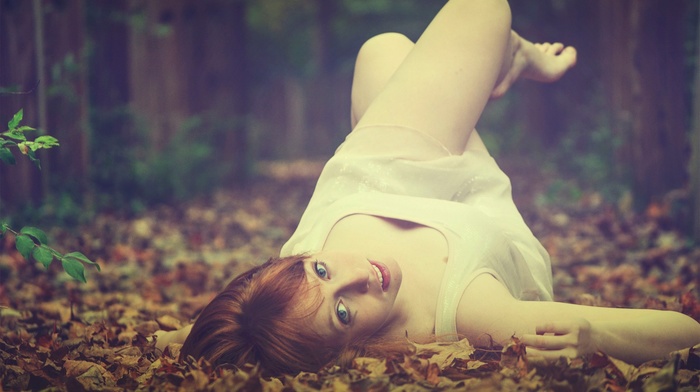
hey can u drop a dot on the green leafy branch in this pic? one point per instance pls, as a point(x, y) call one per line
point(32, 243)
point(15, 137)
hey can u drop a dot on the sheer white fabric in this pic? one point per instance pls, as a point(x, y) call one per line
point(401, 173)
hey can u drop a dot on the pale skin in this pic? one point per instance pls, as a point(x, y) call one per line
point(440, 85)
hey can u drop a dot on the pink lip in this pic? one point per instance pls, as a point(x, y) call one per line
point(386, 275)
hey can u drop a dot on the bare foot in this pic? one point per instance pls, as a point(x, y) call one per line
point(555, 60)
point(541, 62)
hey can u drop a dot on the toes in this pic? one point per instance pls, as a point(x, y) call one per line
point(570, 53)
point(555, 48)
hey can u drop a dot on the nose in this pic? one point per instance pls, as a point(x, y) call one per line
point(355, 280)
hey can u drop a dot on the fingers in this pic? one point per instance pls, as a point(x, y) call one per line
point(568, 352)
point(549, 342)
point(552, 340)
point(556, 327)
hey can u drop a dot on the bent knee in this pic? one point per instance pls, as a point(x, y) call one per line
point(383, 43)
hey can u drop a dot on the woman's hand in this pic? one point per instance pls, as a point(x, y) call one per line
point(571, 339)
point(163, 338)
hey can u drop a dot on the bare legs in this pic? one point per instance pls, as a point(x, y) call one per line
point(445, 80)
point(376, 62)
point(441, 84)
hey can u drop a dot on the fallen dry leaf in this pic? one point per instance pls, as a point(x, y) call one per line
point(162, 267)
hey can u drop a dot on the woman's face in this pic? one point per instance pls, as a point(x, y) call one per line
point(357, 294)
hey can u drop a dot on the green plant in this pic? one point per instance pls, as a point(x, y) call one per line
point(188, 165)
point(30, 241)
point(15, 137)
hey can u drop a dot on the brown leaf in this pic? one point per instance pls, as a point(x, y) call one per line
point(169, 323)
point(443, 354)
point(663, 380)
point(373, 367)
point(89, 375)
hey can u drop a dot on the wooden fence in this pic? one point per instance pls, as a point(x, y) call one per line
point(170, 60)
point(178, 59)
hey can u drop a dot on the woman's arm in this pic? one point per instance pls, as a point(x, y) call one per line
point(163, 338)
point(488, 311)
point(641, 335)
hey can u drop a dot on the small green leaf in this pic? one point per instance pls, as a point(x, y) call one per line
point(15, 135)
point(74, 268)
point(47, 140)
point(15, 119)
point(32, 157)
point(25, 128)
point(24, 245)
point(6, 156)
point(44, 255)
point(37, 234)
point(83, 258)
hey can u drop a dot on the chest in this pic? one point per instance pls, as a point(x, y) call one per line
point(412, 244)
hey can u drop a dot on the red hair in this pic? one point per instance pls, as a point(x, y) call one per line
point(256, 319)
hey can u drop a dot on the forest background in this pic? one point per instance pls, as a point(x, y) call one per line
point(192, 132)
point(155, 101)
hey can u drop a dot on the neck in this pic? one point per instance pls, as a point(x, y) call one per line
point(416, 303)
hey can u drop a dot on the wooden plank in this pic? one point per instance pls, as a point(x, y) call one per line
point(156, 73)
point(68, 98)
point(695, 143)
point(644, 68)
point(18, 184)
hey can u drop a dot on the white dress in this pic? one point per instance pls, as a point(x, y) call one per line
point(405, 174)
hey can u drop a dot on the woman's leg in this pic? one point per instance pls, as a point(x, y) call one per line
point(444, 82)
point(378, 59)
point(376, 62)
point(385, 55)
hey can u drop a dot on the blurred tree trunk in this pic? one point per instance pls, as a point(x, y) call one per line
point(235, 26)
point(322, 35)
point(109, 80)
point(189, 58)
point(695, 141)
point(642, 49)
point(44, 40)
point(322, 91)
point(107, 28)
point(21, 182)
point(67, 94)
point(156, 70)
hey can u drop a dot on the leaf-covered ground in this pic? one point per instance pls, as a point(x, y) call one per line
point(160, 268)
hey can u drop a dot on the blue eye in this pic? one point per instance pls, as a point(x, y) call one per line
point(321, 270)
point(343, 313)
